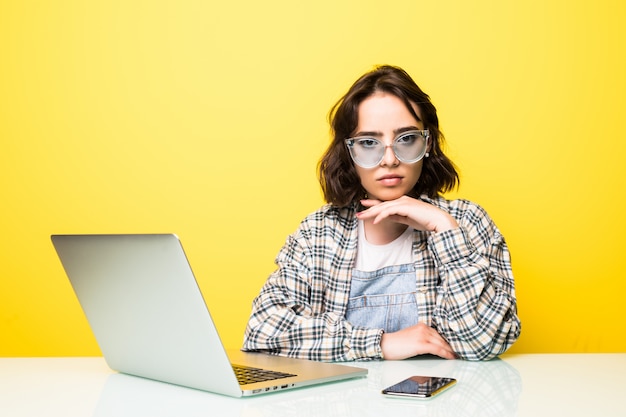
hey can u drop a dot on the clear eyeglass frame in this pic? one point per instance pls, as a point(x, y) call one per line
point(368, 152)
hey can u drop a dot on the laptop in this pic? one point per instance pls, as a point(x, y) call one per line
point(150, 319)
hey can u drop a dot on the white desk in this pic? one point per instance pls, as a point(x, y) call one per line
point(516, 385)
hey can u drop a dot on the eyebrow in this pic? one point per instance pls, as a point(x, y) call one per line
point(379, 134)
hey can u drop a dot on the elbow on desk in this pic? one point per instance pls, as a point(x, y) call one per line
point(478, 350)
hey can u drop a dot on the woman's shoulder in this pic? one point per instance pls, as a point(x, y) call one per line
point(330, 214)
point(328, 221)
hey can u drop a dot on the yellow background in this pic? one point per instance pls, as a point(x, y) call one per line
point(207, 119)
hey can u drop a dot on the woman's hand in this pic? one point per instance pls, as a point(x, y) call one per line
point(418, 339)
point(410, 211)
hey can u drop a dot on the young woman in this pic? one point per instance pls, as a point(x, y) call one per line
point(388, 268)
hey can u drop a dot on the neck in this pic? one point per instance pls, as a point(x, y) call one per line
point(383, 232)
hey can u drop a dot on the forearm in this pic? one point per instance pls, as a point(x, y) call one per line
point(293, 331)
point(476, 308)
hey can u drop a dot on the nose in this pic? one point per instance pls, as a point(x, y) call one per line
point(389, 157)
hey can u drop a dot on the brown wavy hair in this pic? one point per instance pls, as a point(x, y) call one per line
point(340, 182)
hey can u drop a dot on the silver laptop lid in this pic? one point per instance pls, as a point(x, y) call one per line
point(145, 308)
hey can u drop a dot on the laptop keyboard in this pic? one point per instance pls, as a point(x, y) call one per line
point(249, 375)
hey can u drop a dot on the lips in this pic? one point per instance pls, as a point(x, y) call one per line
point(390, 180)
point(390, 177)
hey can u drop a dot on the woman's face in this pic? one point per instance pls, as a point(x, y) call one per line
point(384, 116)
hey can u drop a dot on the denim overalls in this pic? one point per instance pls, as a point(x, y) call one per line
point(383, 299)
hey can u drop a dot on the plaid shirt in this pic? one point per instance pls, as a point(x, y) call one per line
point(464, 289)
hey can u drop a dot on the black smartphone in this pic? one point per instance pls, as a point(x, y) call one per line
point(422, 387)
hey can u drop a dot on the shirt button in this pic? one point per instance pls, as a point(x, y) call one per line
point(423, 289)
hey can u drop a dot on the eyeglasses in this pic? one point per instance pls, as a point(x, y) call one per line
point(409, 147)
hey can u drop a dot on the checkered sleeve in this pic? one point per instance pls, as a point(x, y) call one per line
point(476, 308)
point(300, 310)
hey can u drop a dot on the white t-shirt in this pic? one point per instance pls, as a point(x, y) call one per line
point(372, 257)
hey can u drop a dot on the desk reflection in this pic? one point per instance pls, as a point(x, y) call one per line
point(483, 389)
